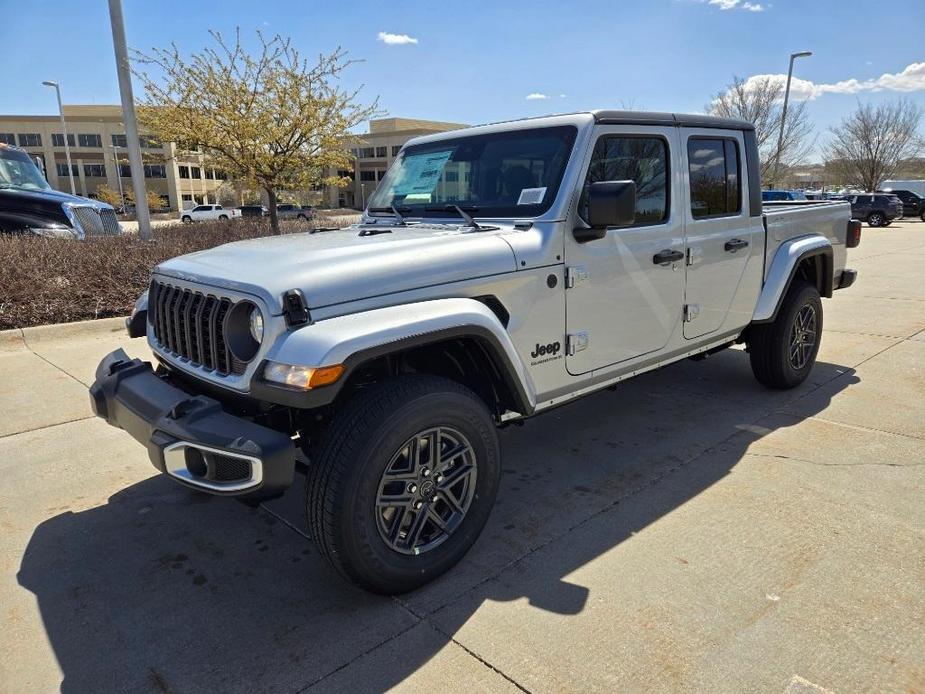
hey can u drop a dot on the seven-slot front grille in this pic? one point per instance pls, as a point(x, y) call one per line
point(97, 222)
point(190, 325)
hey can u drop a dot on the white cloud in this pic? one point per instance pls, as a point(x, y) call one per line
point(737, 5)
point(395, 39)
point(911, 79)
point(535, 96)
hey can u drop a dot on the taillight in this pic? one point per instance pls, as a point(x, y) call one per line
point(853, 238)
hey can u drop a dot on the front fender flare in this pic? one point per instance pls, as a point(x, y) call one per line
point(354, 339)
point(783, 269)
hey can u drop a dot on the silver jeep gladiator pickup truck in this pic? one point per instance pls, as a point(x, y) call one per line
point(498, 272)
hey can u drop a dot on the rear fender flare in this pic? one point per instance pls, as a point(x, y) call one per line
point(783, 270)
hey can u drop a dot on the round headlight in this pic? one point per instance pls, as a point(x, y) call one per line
point(256, 325)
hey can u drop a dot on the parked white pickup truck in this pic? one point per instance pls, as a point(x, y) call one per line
point(498, 272)
point(202, 213)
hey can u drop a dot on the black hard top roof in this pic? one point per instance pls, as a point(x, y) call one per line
point(609, 117)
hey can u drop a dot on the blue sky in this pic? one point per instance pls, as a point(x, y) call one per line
point(476, 62)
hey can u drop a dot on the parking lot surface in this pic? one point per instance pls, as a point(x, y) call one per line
point(687, 530)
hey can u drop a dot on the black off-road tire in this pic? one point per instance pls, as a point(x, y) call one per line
point(769, 344)
point(347, 467)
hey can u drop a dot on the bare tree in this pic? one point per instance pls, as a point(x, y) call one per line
point(271, 118)
point(869, 144)
point(760, 101)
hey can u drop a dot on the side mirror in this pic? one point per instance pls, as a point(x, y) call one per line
point(610, 204)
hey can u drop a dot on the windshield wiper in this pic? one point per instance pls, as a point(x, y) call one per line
point(394, 211)
point(467, 218)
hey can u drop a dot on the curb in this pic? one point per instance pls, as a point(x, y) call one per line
point(17, 338)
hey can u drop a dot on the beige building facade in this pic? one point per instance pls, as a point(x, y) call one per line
point(97, 140)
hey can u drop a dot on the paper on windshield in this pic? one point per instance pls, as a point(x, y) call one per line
point(420, 173)
point(531, 196)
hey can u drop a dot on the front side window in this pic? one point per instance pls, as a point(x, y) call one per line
point(17, 170)
point(515, 173)
point(632, 158)
point(714, 177)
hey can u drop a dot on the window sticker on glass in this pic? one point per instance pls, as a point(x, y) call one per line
point(531, 196)
point(420, 173)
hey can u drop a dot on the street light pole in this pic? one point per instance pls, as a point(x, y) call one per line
point(67, 149)
point(783, 115)
point(124, 71)
point(115, 160)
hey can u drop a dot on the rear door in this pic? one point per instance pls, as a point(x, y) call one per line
point(620, 303)
point(722, 237)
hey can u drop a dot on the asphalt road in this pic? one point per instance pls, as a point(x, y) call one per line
point(687, 531)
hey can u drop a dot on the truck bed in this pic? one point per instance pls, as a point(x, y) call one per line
point(791, 219)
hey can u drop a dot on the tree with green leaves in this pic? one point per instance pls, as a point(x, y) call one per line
point(270, 118)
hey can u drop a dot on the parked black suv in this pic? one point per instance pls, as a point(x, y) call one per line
point(28, 205)
point(877, 209)
point(913, 203)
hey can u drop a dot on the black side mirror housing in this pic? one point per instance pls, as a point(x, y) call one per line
point(610, 204)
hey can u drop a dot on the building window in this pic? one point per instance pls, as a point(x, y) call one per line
point(125, 171)
point(355, 151)
point(62, 170)
point(395, 150)
point(8, 138)
point(186, 197)
point(220, 175)
point(640, 159)
point(149, 141)
point(184, 171)
point(155, 171)
point(119, 141)
point(89, 140)
point(452, 177)
point(379, 175)
point(95, 170)
point(57, 139)
point(210, 174)
point(367, 176)
point(381, 152)
point(714, 177)
point(195, 172)
point(367, 152)
point(30, 140)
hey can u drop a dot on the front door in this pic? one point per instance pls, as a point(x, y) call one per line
point(722, 238)
point(623, 302)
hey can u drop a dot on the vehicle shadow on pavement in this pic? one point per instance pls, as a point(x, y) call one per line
point(161, 589)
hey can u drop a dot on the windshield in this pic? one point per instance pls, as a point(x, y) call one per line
point(508, 174)
point(17, 170)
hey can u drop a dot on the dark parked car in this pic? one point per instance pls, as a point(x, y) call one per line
point(877, 209)
point(913, 203)
point(28, 205)
point(253, 211)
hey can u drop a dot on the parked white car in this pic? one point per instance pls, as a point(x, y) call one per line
point(202, 213)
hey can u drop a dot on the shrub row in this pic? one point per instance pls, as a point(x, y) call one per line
point(57, 281)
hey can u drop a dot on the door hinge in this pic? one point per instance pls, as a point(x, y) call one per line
point(691, 311)
point(576, 342)
point(575, 274)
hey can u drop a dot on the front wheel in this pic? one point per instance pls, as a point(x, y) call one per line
point(223, 218)
point(875, 219)
point(187, 219)
point(782, 353)
point(404, 482)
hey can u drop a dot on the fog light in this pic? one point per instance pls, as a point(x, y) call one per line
point(302, 377)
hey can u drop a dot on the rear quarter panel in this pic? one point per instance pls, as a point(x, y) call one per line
point(828, 219)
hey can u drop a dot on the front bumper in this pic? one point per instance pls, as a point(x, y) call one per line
point(190, 437)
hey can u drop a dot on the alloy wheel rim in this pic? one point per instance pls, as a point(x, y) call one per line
point(426, 490)
point(803, 337)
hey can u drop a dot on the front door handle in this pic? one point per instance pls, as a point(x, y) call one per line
point(735, 244)
point(667, 256)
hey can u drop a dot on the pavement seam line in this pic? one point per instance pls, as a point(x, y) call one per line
point(479, 658)
point(47, 361)
point(46, 426)
point(284, 521)
point(778, 410)
point(861, 427)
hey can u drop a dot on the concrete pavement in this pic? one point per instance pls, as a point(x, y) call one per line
point(688, 531)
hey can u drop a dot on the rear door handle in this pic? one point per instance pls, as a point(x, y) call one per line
point(667, 256)
point(734, 245)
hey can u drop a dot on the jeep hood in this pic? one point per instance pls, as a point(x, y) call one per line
point(339, 266)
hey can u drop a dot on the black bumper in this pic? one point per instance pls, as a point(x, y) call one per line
point(847, 278)
point(190, 437)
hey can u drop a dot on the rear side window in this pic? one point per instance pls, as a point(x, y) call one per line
point(631, 158)
point(715, 179)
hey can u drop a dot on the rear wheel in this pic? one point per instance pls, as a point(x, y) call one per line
point(782, 353)
point(187, 219)
point(404, 482)
point(223, 218)
point(876, 219)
